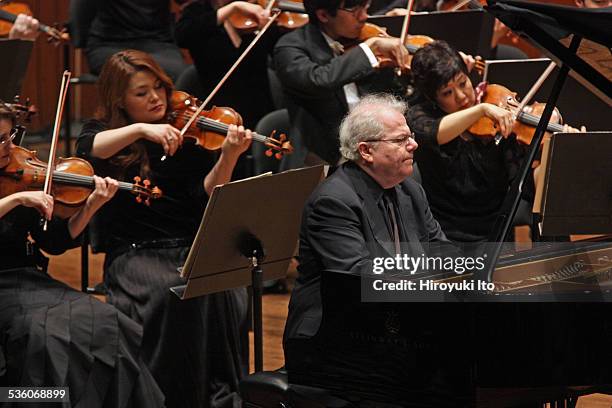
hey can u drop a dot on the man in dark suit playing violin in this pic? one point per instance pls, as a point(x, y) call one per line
point(323, 78)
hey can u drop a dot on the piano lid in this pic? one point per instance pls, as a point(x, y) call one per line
point(548, 25)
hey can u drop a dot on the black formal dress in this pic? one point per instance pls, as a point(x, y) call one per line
point(144, 25)
point(313, 79)
point(196, 349)
point(466, 181)
point(54, 336)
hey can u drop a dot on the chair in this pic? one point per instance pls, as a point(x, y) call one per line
point(274, 121)
point(276, 88)
point(93, 237)
point(81, 14)
point(189, 82)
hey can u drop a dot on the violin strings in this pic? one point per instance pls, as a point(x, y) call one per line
point(534, 120)
point(221, 127)
point(87, 181)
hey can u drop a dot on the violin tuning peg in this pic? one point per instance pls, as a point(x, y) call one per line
point(268, 153)
point(139, 199)
point(146, 183)
point(137, 180)
point(278, 155)
point(148, 202)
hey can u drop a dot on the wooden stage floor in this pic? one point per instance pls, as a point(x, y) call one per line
point(67, 268)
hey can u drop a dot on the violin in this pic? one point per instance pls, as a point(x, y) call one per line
point(211, 126)
point(526, 121)
point(412, 44)
point(8, 15)
point(292, 16)
point(454, 5)
point(73, 181)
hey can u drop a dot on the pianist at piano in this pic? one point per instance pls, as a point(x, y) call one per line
point(346, 223)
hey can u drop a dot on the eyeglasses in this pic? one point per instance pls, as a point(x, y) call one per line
point(9, 139)
point(399, 141)
point(356, 10)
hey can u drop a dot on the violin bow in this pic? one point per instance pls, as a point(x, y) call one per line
point(227, 75)
point(460, 4)
point(532, 91)
point(404, 33)
point(536, 86)
point(59, 112)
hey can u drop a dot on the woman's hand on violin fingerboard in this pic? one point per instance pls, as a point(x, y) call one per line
point(502, 117)
point(38, 200)
point(105, 190)
point(24, 28)
point(392, 48)
point(237, 141)
point(166, 135)
point(569, 129)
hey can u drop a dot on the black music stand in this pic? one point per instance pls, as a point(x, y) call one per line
point(16, 56)
point(578, 105)
point(577, 186)
point(248, 233)
point(475, 26)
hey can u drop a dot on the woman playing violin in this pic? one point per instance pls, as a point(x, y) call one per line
point(192, 347)
point(465, 177)
point(47, 329)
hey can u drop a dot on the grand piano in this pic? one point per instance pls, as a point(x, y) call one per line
point(536, 347)
point(549, 338)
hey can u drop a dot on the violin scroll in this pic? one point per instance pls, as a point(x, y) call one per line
point(281, 145)
point(144, 192)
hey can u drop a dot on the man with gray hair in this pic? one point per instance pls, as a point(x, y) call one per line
point(368, 208)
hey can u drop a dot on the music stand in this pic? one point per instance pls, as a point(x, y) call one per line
point(578, 104)
point(12, 74)
point(249, 232)
point(475, 26)
point(577, 186)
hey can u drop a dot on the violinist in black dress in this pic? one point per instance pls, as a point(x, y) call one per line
point(50, 334)
point(196, 349)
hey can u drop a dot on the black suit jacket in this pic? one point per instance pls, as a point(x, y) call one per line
point(343, 229)
point(313, 80)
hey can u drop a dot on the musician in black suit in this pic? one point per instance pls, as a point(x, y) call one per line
point(360, 212)
point(322, 78)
